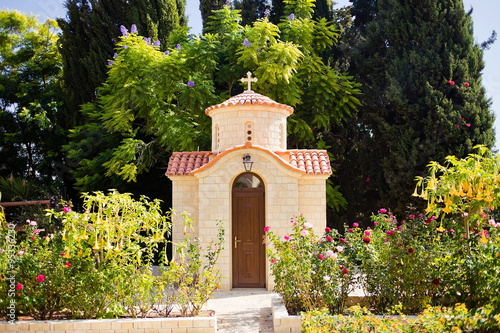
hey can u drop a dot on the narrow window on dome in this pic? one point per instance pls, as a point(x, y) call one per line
point(282, 137)
point(217, 137)
point(249, 131)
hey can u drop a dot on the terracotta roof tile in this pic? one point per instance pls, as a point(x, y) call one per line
point(249, 97)
point(182, 163)
point(311, 162)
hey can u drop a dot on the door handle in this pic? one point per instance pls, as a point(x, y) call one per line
point(236, 241)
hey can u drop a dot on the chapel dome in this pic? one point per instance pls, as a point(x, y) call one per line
point(249, 97)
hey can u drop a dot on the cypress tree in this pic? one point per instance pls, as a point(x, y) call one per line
point(423, 98)
point(278, 10)
point(206, 9)
point(251, 10)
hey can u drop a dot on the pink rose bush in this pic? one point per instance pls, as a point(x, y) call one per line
point(84, 268)
point(305, 270)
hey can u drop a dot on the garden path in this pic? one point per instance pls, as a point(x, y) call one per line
point(242, 310)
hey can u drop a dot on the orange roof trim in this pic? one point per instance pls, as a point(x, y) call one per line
point(249, 97)
point(310, 162)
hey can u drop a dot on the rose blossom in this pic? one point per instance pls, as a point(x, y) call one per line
point(19, 286)
point(66, 209)
point(286, 237)
point(266, 229)
point(320, 256)
point(327, 229)
point(366, 240)
point(326, 278)
point(345, 271)
point(303, 232)
point(355, 224)
point(308, 225)
point(383, 210)
point(367, 233)
point(40, 278)
point(330, 239)
point(340, 248)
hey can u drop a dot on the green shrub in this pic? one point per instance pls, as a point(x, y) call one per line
point(310, 272)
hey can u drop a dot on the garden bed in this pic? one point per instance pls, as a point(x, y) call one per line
point(151, 325)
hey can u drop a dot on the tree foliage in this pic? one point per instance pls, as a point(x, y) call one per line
point(423, 98)
point(30, 103)
point(153, 102)
point(90, 31)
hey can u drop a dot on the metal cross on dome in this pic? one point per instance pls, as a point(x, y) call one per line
point(249, 79)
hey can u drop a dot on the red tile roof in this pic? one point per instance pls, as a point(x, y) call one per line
point(183, 163)
point(311, 162)
point(314, 162)
point(249, 97)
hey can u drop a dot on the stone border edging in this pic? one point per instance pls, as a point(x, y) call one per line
point(282, 322)
point(147, 325)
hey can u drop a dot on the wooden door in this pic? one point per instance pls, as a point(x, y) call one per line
point(248, 232)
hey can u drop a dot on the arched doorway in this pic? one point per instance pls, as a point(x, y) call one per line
point(248, 221)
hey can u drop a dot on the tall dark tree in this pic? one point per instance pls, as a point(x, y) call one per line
point(423, 98)
point(89, 33)
point(278, 10)
point(252, 10)
point(323, 9)
point(207, 7)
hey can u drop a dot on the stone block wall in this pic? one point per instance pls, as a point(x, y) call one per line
point(268, 127)
point(149, 325)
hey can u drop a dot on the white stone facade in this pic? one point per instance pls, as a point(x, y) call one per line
point(204, 189)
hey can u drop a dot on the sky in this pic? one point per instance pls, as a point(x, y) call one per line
point(485, 18)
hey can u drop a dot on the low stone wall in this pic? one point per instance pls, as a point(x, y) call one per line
point(148, 325)
point(282, 322)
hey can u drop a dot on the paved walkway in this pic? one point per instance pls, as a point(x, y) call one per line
point(242, 310)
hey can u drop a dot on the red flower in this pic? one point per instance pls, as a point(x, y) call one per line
point(435, 281)
point(367, 179)
point(383, 210)
point(40, 278)
point(366, 240)
point(273, 261)
point(67, 264)
point(341, 267)
point(330, 239)
point(451, 82)
point(345, 271)
point(266, 229)
point(355, 224)
point(19, 286)
point(349, 230)
point(411, 250)
point(468, 124)
point(466, 84)
point(320, 256)
point(327, 229)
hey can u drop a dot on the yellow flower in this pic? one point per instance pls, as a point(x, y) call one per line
point(440, 229)
point(483, 239)
point(447, 209)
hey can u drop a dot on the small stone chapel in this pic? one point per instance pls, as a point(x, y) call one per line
point(249, 181)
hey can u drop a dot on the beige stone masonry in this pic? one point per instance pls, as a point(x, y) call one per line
point(231, 126)
point(150, 325)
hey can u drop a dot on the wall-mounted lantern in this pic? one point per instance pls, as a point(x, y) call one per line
point(247, 163)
